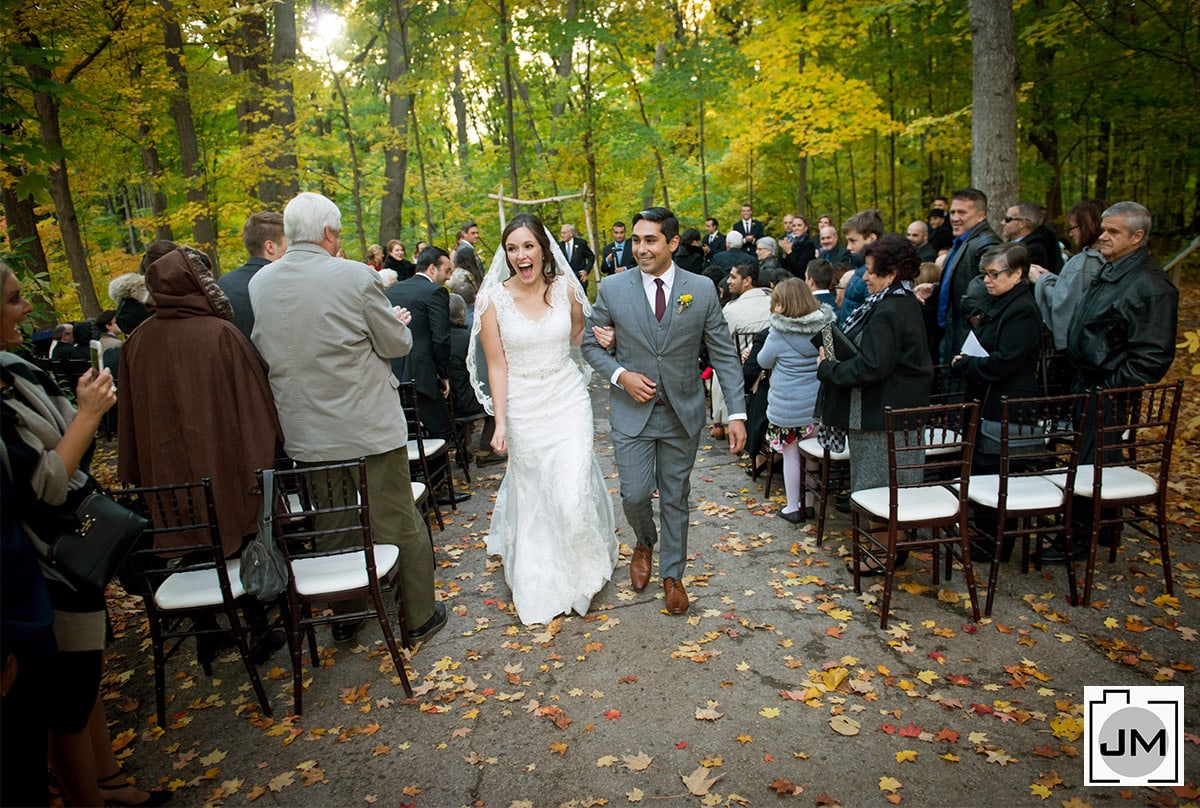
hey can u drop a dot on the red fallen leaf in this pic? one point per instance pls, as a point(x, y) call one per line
point(627, 680)
point(488, 691)
point(982, 709)
point(612, 715)
point(1046, 751)
point(947, 734)
point(768, 759)
point(490, 602)
point(911, 731)
point(825, 799)
point(1191, 738)
point(681, 745)
point(834, 631)
point(1187, 791)
point(890, 729)
point(970, 628)
point(958, 679)
point(951, 704)
point(938, 655)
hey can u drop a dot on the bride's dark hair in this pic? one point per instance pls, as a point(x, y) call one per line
point(535, 226)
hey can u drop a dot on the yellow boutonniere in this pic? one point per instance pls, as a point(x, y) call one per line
point(684, 302)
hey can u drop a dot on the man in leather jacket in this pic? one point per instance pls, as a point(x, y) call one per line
point(1123, 332)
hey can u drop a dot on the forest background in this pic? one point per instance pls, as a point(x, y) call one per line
point(122, 121)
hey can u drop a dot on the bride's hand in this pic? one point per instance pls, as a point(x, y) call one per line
point(499, 445)
point(605, 336)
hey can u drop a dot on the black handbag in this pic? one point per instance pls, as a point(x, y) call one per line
point(89, 555)
point(264, 571)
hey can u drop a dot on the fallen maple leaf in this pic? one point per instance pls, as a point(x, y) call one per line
point(698, 782)
point(744, 739)
point(559, 748)
point(605, 761)
point(635, 795)
point(781, 786)
point(637, 763)
point(889, 784)
point(907, 756)
point(281, 781)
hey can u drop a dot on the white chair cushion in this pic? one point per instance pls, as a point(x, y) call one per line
point(915, 504)
point(418, 490)
point(197, 588)
point(1120, 482)
point(811, 447)
point(432, 447)
point(343, 572)
point(936, 435)
point(1024, 493)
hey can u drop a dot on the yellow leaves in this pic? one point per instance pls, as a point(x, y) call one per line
point(558, 748)
point(907, 756)
point(1066, 727)
point(605, 761)
point(769, 712)
point(709, 713)
point(928, 677)
point(281, 781)
point(1111, 622)
point(1039, 790)
point(744, 739)
point(214, 757)
point(889, 784)
point(844, 725)
point(635, 796)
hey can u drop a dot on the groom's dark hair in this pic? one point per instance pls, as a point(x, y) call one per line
point(663, 217)
point(430, 256)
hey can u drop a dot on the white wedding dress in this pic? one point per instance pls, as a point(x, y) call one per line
point(553, 520)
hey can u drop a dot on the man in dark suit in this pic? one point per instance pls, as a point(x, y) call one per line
point(831, 250)
point(618, 253)
point(918, 236)
point(1019, 222)
point(714, 240)
point(263, 236)
point(579, 255)
point(428, 364)
point(972, 235)
point(750, 228)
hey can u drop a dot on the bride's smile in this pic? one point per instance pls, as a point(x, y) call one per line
point(524, 255)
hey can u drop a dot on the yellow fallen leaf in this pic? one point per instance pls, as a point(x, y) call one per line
point(907, 756)
point(744, 739)
point(635, 795)
point(769, 712)
point(281, 781)
point(844, 725)
point(928, 677)
point(889, 784)
point(637, 763)
point(606, 760)
point(1039, 790)
point(698, 782)
point(213, 757)
point(559, 748)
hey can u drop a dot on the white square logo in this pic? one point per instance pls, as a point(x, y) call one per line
point(1134, 736)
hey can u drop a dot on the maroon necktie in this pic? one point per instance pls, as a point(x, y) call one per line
point(660, 300)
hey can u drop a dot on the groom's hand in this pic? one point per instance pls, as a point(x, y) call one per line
point(641, 389)
point(737, 436)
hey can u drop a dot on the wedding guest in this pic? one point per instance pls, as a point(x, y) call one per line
point(890, 369)
point(792, 359)
point(397, 262)
point(48, 446)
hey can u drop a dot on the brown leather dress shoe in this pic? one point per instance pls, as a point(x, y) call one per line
point(639, 567)
point(718, 432)
point(677, 599)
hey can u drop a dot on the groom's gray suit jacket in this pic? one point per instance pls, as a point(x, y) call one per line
point(668, 352)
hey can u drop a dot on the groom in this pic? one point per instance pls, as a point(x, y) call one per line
point(662, 316)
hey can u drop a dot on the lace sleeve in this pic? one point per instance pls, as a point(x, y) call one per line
point(476, 358)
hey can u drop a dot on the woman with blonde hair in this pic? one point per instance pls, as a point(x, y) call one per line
point(791, 357)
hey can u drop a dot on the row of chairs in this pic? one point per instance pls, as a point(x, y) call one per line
point(187, 587)
point(1129, 433)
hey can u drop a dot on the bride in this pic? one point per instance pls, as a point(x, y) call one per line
point(553, 520)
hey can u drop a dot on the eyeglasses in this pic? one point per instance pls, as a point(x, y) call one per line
point(992, 274)
point(1008, 219)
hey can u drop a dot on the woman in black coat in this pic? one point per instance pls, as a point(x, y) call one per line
point(890, 368)
point(1010, 331)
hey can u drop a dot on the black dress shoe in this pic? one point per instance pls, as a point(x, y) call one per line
point(432, 625)
point(490, 459)
point(842, 503)
point(795, 517)
point(263, 646)
point(455, 498)
point(346, 630)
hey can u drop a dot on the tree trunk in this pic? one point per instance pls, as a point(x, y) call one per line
point(283, 182)
point(46, 106)
point(204, 233)
point(1043, 133)
point(395, 150)
point(152, 167)
point(355, 174)
point(460, 118)
point(424, 188)
point(510, 133)
point(25, 253)
point(562, 62)
point(994, 102)
point(1103, 163)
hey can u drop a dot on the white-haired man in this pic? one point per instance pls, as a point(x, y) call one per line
point(326, 331)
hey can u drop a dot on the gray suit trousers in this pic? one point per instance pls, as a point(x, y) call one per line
point(661, 456)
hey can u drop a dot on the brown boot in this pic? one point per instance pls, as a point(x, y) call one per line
point(639, 567)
